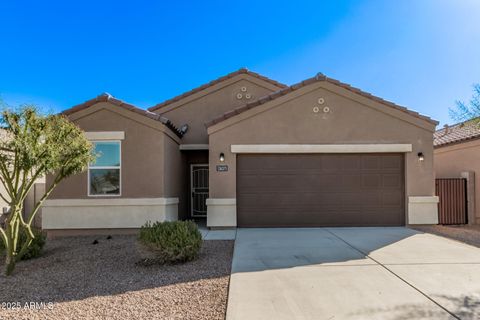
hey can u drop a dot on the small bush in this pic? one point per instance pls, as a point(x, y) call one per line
point(171, 242)
point(35, 248)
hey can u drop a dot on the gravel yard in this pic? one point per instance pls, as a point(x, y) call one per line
point(464, 233)
point(103, 281)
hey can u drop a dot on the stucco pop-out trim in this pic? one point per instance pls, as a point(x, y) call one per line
point(106, 213)
point(423, 210)
point(105, 135)
point(109, 202)
point(320, 148)
point(221, 212)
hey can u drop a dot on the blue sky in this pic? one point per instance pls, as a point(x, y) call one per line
point(423, 54)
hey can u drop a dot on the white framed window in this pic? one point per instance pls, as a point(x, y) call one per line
point(104, 175)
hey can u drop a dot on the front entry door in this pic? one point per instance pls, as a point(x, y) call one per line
point(199, 186)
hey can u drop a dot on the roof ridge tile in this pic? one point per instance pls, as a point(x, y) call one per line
point(214, 82)
point(105, 97)
point(319, 77)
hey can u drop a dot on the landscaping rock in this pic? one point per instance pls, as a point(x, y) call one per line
point(75, 280)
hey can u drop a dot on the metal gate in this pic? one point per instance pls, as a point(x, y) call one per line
point(199, 185)
point(452, 207)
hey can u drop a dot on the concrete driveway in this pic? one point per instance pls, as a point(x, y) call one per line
point(352, 273)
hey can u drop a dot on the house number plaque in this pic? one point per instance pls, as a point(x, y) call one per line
point(222, 168)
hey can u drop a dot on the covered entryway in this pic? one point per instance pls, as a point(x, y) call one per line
point(305, 190)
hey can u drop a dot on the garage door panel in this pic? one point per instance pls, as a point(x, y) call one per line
point(334, 200)
point(330, 164)
point(320, 190)
point(392, 199)
point(350, 164)
point(364, 198)
point(371, 162)
point(371, 180)
point(361, 199)
point(278, 182)
point(266, 163)
point(328, 217)
point(392, 181)
point(345, 182)
point(278, 199)
point(393, 162)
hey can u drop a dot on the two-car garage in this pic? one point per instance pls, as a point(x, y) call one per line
point(301, 190)
point(321, 153)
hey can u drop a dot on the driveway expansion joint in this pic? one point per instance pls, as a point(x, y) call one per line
point(393, 273)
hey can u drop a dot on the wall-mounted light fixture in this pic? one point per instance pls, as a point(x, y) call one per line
point(421, 157)
point(221, 157)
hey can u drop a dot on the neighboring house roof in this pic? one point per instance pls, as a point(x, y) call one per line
point(105, 97)
point(460, 132)
point(214, 82)
point(318, 77)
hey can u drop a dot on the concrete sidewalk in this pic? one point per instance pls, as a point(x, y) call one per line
point(225, 234)
point(352, 273)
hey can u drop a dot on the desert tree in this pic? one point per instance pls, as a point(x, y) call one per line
point(33, 145)
point(468, 111)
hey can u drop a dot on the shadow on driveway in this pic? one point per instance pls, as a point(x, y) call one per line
point(352, 273)
point(275, 248)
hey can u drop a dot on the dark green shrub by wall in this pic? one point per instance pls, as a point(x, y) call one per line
point(35, 248)
point(171, 241)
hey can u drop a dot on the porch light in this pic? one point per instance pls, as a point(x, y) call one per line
point(421, 157)
point(222, 157)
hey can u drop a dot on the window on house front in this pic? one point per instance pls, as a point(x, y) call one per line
point(104, 173)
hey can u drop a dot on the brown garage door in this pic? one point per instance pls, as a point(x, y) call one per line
point(289, 190)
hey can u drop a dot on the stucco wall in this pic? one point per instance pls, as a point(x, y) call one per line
point(352, 120)
point(172, 168)
point(150, 184)
point(35, 194)
point(175, 178)
point(451, 161)
point(212, 102)
point(99, 214)
point(143, 150)
point(37, 191)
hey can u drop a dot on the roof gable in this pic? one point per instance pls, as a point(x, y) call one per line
point(105, 97)
point(318, 78)
point(242, 71)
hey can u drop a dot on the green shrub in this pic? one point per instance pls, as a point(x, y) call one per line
point(35, 248)
point(171, 242)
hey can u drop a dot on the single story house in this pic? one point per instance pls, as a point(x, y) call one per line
point(457, 154)
point(247, 151)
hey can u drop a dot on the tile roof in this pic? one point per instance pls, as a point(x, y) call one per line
point(318, 77)
point(105, 97)
point(214, 82)
point(456, 133)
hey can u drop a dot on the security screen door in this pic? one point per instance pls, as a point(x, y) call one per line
point(199, 186)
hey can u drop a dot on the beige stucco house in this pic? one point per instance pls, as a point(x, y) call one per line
point(247, 151)
point(457, 154)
